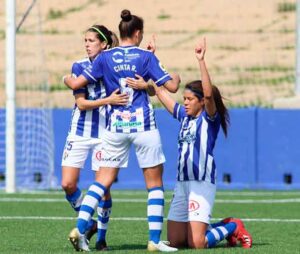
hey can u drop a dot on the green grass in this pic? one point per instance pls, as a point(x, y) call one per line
point(49, 235)
point(163, 16)
point(286, 7)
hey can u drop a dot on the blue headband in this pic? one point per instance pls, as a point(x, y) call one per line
point(197, 93)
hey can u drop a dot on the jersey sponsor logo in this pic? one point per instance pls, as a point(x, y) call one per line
point(127, 124)
point(127, 115)
point(118, 57)
point(188, 138)
point(193, 205)
point(131, 56)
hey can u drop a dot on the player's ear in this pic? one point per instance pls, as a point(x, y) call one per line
point(104, 45)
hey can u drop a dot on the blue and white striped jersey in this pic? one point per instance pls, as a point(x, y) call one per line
point(114, 66)
point(196, 141)
point(88, 123)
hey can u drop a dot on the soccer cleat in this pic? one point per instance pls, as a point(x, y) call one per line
point(101, 245)
point(83, 243)
point(74, 237)
point(90, 232)
point(78, 241)
point(160, 246)
point(240, 234)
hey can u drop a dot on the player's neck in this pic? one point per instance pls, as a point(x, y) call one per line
point(128, 42)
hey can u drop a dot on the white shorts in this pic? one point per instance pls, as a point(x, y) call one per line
point(77, 149)
point(114, 149)
point(192, 201)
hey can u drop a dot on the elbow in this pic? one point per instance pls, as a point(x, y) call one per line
point(172, 87)
point(81, 106)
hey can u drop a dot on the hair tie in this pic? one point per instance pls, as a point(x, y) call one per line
point(102, 34)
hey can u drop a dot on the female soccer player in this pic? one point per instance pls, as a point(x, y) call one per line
point(88, 123)
point(130, 124)
point(201, 118)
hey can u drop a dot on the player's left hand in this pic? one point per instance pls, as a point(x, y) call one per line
point(137, 83)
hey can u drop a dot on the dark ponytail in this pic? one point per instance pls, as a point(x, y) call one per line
point(222, 110)
point(129, 24)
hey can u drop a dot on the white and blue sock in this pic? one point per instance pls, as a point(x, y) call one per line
point(89, 204)
point(155, 212)
point(75, 199)
point(219, 233)
point(104, 211)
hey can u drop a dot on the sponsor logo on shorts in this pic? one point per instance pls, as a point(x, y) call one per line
point(193, 205)
point(110, 159)
point(99, 155)
point(66, 154)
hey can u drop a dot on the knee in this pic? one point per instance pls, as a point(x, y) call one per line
point(198, 243)
point(69, 187)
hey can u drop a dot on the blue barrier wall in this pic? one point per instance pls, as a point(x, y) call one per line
point(262, 151)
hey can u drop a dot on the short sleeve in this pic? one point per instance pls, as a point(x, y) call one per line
point(213, 119)
point(77, 70)
point(93, 73)
point(156, 71)
point(179, 112)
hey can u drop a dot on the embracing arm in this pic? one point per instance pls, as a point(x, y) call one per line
point(113, 99)
point(165, 98)
point(210, 105)
point(172, 85)
point(75, 83)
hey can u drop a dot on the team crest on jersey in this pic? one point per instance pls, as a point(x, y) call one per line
point(162, 67)
point(193, 205)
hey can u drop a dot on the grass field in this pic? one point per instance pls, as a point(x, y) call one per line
point(40, 222)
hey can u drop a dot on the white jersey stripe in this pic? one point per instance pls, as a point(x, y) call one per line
point(203, 147)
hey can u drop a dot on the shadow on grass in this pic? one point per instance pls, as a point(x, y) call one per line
point(124, 247)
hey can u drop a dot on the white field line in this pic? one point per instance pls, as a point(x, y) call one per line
point(142, 200)
point(140, 219)
point(139, 192)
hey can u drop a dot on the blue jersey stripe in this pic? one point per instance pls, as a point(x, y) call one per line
point(179, 159)
point(147, 121)
point(196, 157)
point(213, 172)
point(185, 166)
point(95, 125)
point(80, 123)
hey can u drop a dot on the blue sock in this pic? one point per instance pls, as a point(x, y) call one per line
point(75, 199)
point(155, 212)
point(217, 224)
point(218, 234)
point(89, 203)
point(104, 211)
